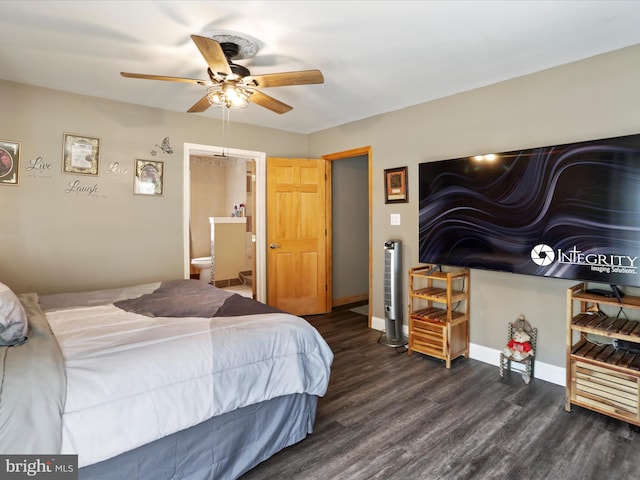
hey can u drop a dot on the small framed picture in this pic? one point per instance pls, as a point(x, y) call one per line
point(80, 154)
point(149, 177)
point(395, 185)
point(9, 162)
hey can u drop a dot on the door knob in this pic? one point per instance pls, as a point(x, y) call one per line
point(273, 245)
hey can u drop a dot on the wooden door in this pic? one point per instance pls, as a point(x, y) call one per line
point(297, 235)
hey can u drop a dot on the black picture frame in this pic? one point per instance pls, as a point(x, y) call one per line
point(396, 188)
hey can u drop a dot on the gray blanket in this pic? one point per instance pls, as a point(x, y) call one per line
point(192, 298)
point(32, 389)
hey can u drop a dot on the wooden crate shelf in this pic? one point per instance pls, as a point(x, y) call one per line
point(603, 376)
point(439, 313)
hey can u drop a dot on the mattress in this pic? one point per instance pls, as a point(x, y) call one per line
point(143, 363)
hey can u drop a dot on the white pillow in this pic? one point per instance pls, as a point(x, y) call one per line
point(13, 318)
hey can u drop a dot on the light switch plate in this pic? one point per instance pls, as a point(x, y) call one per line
point(395, 219)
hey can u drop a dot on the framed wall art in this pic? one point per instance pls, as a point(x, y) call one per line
point(395, 185)
point(80, 154)
point(149, 177)
point(9, 162)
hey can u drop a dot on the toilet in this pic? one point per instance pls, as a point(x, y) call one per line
point(205, 266)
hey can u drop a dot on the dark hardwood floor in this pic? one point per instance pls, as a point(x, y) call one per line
point(390, 416)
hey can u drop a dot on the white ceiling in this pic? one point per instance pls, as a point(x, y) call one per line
point(376, 56)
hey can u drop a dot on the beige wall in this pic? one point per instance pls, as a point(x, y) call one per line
point(595, 98)
point(207, 200)
point(215, 188)
point(53, 240)
point(55, 237)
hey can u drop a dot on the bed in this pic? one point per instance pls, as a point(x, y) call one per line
point(167, 380)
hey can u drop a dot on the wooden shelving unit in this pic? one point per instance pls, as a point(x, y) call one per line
point(439, 313)
point(602, 376)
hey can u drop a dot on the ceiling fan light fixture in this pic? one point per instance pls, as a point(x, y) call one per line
point(231, 86)
point(228, 96)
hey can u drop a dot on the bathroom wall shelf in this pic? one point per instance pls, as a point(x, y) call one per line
point(229, 219)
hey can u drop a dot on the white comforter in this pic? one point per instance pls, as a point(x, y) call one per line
point(132, 379)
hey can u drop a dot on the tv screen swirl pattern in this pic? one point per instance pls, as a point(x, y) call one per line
point(567, 211)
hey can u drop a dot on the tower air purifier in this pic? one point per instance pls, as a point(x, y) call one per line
point(393, 336)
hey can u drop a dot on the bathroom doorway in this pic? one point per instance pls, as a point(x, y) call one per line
point(224, 217)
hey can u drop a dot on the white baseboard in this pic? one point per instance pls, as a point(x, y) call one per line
point(543, 371)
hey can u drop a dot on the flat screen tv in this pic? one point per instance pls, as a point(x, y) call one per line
point(566, 211)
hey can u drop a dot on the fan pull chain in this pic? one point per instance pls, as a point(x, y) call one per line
point(225, 126)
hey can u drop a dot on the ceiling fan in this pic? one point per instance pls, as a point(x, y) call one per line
point(231, 85)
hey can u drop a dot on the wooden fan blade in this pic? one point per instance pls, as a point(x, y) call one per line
point(164, 78)
point(213, 54)
point(271, 103)
point(200, 106)
point(302, 77)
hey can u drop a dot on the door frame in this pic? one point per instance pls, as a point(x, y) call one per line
point(260, 213)
point(355, 152)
